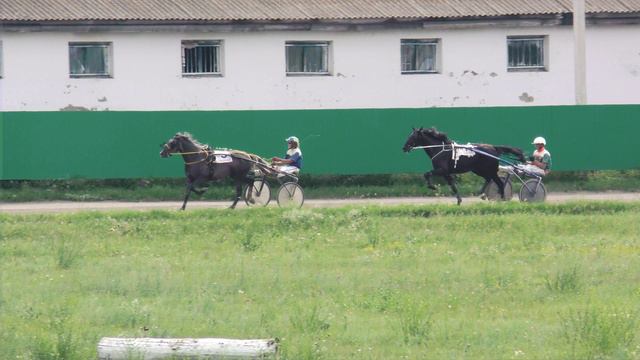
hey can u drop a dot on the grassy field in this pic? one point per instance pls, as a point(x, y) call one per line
point(485, 281)
point(315, 186)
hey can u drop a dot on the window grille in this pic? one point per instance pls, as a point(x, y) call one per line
point(201, 57)
point(419, 56)
point(526, 53)
point(307, 58)
point(90, 59)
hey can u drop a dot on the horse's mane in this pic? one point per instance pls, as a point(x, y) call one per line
point(439, 135)
point(192, 139)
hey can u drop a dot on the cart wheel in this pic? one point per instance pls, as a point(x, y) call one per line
point(493, 193)
point(257, 195)
point(290, 195)
point(533, 190)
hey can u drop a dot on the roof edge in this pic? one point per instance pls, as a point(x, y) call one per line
point(316, 25)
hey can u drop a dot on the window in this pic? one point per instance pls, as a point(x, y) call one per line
point(201, 57)
point(419, 56)
point(90, 59)
point(307, 58)
point(526, 53)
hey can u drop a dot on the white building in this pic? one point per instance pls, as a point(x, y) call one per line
point(260, 54)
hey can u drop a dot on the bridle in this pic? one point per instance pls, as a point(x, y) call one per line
point(201, 151)
point(443, 146)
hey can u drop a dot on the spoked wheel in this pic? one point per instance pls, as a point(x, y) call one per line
point(257, 195)
point(493, 193)
point(290, 195)
point(533, 190)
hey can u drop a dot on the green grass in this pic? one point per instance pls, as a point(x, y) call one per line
point(315, 186)
point(485, 281)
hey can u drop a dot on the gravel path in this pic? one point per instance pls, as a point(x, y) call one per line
point(70, 206)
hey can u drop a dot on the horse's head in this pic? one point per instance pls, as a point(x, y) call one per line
point(412, 140)
point(424, 137)
point(174, 145)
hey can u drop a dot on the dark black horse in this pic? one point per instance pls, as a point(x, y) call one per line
point(447, 158)
point(200, 166)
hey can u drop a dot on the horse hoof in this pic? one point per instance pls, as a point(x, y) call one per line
point(483, 197)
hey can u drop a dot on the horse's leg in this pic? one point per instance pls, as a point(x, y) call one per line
point(238, 194)
point(427, 177)
point(249, 194)
point(197, 183)
point(483, 194)
point(500, 184)
point(453, 186)
point(186, 196)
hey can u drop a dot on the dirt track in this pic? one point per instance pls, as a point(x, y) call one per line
point(68, 206)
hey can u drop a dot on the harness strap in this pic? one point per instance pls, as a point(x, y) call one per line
point(202, 151)
point(188, 153)
point(441, 151)
point(195, 162)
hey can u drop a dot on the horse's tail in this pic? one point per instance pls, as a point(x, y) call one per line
point(511, 150)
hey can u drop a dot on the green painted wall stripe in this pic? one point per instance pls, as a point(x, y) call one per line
point(124, 144)
point(2, 145)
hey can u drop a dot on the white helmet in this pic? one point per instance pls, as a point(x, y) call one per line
point(539, 140)
point(294, 139)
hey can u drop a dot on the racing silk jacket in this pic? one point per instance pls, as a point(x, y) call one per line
point(543, 156)
point(295, 155)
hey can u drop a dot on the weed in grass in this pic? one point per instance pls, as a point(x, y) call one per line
point(250, 242)
point(62, 345)
point(66, 254)
point(373, 235)
point(565, 280)
point(303, 349)
point(65, 348)
point(599, 333)
point(308, 320)
point(302, 218)
point(130, 315)
point(416, 324)
point(42, 349)
point(381, 300)
point(494, 280)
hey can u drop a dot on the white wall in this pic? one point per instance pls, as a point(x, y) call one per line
point(613, 63)
point(365, 71)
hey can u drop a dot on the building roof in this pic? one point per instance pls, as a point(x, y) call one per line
point(289, 10)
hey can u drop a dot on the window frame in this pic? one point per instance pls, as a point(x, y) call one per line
point(543, 48)
point(218, 61)
point(108, 59)
point(327, 45)
point(1, 60)
point(435, 42)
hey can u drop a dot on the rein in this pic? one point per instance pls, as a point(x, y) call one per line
point(203, 151)
point(443, 146)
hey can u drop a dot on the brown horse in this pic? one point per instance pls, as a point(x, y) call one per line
point(200, 166)
point(481, 159)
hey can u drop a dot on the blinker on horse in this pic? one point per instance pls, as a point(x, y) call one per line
point(446, 161)
point(200, 166)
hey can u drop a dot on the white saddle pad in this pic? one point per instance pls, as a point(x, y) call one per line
point(222, 157)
